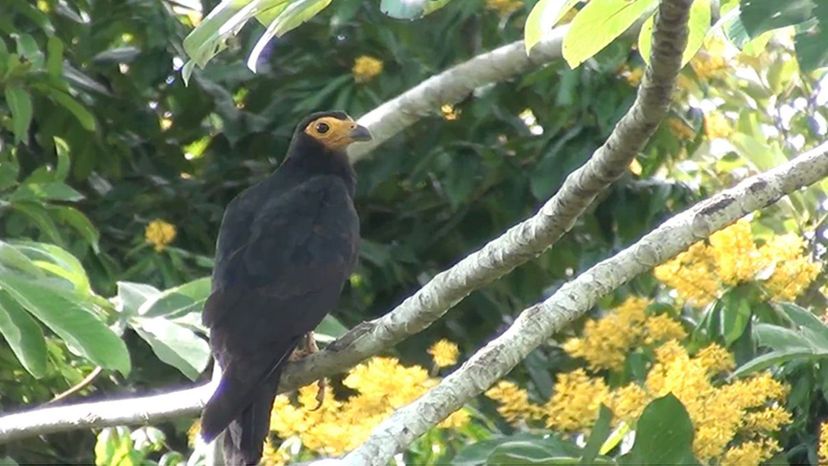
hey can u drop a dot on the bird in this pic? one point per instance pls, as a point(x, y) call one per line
point(285, 248)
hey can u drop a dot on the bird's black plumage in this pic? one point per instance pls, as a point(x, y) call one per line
point(285, 248)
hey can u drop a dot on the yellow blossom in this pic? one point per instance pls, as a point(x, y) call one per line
point(504, 7)
point(193, 431)
point(662, 328)
point(159, 233)
point(680, 129)
point(449, 112)
point(692, 274)
point(735, 253)
point(606, 342)
point(767, 420)
point(715, 359)
point(513, 402)
point(444, 353)
point(822, 450)
point(575, 402)
point(751, 453)
point(456, 420)
point(716, 125)
point(272, 456)
point(633, 76)
point(366, 68)
point(627, 402)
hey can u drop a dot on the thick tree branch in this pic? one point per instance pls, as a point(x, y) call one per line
point(539, 322)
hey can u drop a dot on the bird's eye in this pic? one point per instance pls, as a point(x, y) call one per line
point(322, 128)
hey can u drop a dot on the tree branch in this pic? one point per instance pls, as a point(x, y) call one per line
point(452, 86)
point(539, 322)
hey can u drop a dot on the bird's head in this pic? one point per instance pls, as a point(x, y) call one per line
point(335, 131)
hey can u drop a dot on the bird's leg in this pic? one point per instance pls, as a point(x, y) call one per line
point(307, 347)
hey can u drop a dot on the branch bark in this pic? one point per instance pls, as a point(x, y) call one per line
point(539, 322)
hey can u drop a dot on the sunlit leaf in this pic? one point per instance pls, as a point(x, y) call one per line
point(543, 17)
point(23, 335)
point(610, 17)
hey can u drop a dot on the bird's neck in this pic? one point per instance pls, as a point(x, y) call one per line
point(319, 161)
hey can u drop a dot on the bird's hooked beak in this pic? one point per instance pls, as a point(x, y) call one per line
point(360, 133)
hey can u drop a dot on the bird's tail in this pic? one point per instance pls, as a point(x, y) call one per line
point(245, 436)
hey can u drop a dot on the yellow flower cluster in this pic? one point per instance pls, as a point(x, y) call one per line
point(381, 385)
point(606, 342)
point(159, 234)
point(716, 126)
point(711, 61)
point(680, 129)
point(732, 257)
point(733, 421)
point(444, 353)
point(449, 112)
point(632, 76)
point(513, 402)
point(504, 7)
point(366, 68)
point(822, 450)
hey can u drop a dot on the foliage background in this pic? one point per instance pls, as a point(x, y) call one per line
point(115, 141)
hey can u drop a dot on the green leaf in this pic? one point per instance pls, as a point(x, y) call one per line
point(611, 17)
point(20, 106)
point(735, 315)
point(290, 18)
point(478, 453)
point(54, 56)
point(80, 222)
point(759, 16)
point(410, 9)
point(11, 257)
point(779, 338)
point(23, 335)
point(63, 162)
point(698, 24)
point(599, 434)
point(58, 262)
point(40, 217)
point(773, 359)
point(49, 191)
point(811, 51)
point(807, 320)
point(528, 452)
point(131, 296)
point(664, 435)
point(86, 119)
point(329, 329)
point(176, 301)
point(543, 17)
point(71, 321)
point(174, 344)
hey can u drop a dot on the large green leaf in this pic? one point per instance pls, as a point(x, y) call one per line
point(296, 13)
point(811, 51)
point(174, 344)
point(610, 17)
point(20, 106)
point(69, 318)
point(530, 452)
point(23, 335)
point(599, 434)
point(478, 453)
point(664, 435)
point(58, 262)
point(176, 301)
point(49, 191)
point(759, 16)
point(698, 25)
point(410, 9)
point(543, 17)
